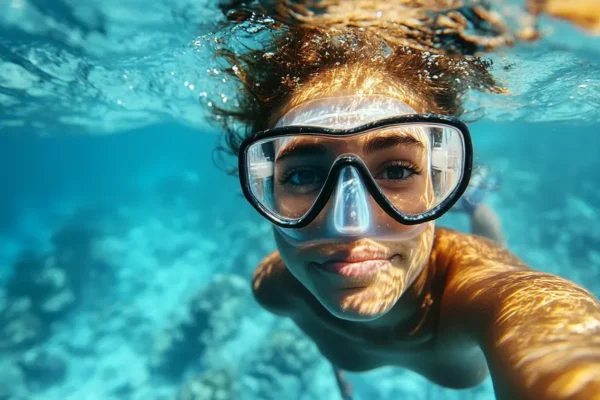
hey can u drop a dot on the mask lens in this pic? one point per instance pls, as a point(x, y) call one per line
point(415, 166)
point(419, 167)
point(286, 174)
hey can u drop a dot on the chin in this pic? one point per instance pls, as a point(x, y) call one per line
point(359, 305)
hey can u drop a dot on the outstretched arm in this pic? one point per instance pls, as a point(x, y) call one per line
point(540, 333)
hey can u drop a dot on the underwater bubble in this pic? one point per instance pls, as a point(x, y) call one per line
point(267, 21)
point(253, 29)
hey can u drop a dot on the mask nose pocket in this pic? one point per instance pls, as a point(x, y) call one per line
point(351, 214)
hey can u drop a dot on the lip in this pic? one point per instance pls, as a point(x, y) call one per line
point(350, 275)
point(353, 269)
point(356, 255)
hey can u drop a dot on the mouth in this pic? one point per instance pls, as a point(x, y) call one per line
point(355, 255)
point(353, 269)
point(356, 269)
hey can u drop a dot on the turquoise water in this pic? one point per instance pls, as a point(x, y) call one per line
point(126, 254)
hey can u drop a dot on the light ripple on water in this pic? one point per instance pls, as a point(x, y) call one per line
point(104, 66)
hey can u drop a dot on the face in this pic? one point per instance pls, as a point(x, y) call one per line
point(356, 277)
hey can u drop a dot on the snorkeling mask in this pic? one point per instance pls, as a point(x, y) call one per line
point(338, 168)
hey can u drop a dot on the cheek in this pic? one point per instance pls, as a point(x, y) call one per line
point(417, 251)
point(290, 255)
point(386, 226)
point(414, 249)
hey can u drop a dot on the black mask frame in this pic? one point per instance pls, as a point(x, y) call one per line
point(355, 161)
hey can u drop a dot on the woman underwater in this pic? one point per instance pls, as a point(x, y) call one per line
point(354, 150)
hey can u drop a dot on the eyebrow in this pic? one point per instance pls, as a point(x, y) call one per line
point(385, 142)
point(301, 150)
point(375, 144)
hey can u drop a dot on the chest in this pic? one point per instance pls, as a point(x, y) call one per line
point(435, 357)
point(353, 354)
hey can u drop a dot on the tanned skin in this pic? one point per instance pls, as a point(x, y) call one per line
point(478, 306)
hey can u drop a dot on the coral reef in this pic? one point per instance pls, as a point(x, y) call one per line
point(284, 366)
point(12, 382)
point(212, 319)
point(42, 369)
point(43, 289)
point(211, 385)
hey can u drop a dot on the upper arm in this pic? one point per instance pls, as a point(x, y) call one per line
point(475, 268)
point(273, 285)
point(537, 330)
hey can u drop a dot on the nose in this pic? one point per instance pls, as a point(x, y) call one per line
point(351, 214)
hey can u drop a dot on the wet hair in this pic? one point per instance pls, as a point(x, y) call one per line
point(424, 49)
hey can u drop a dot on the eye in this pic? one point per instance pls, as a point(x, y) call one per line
point(304, 177)
point(396, 172)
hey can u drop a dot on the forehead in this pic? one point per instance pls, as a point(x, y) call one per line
point(412, 137)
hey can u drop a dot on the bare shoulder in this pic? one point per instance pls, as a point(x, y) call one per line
point(477, 274)
point(458, 253)
point(273, 285)
point(478, 271)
